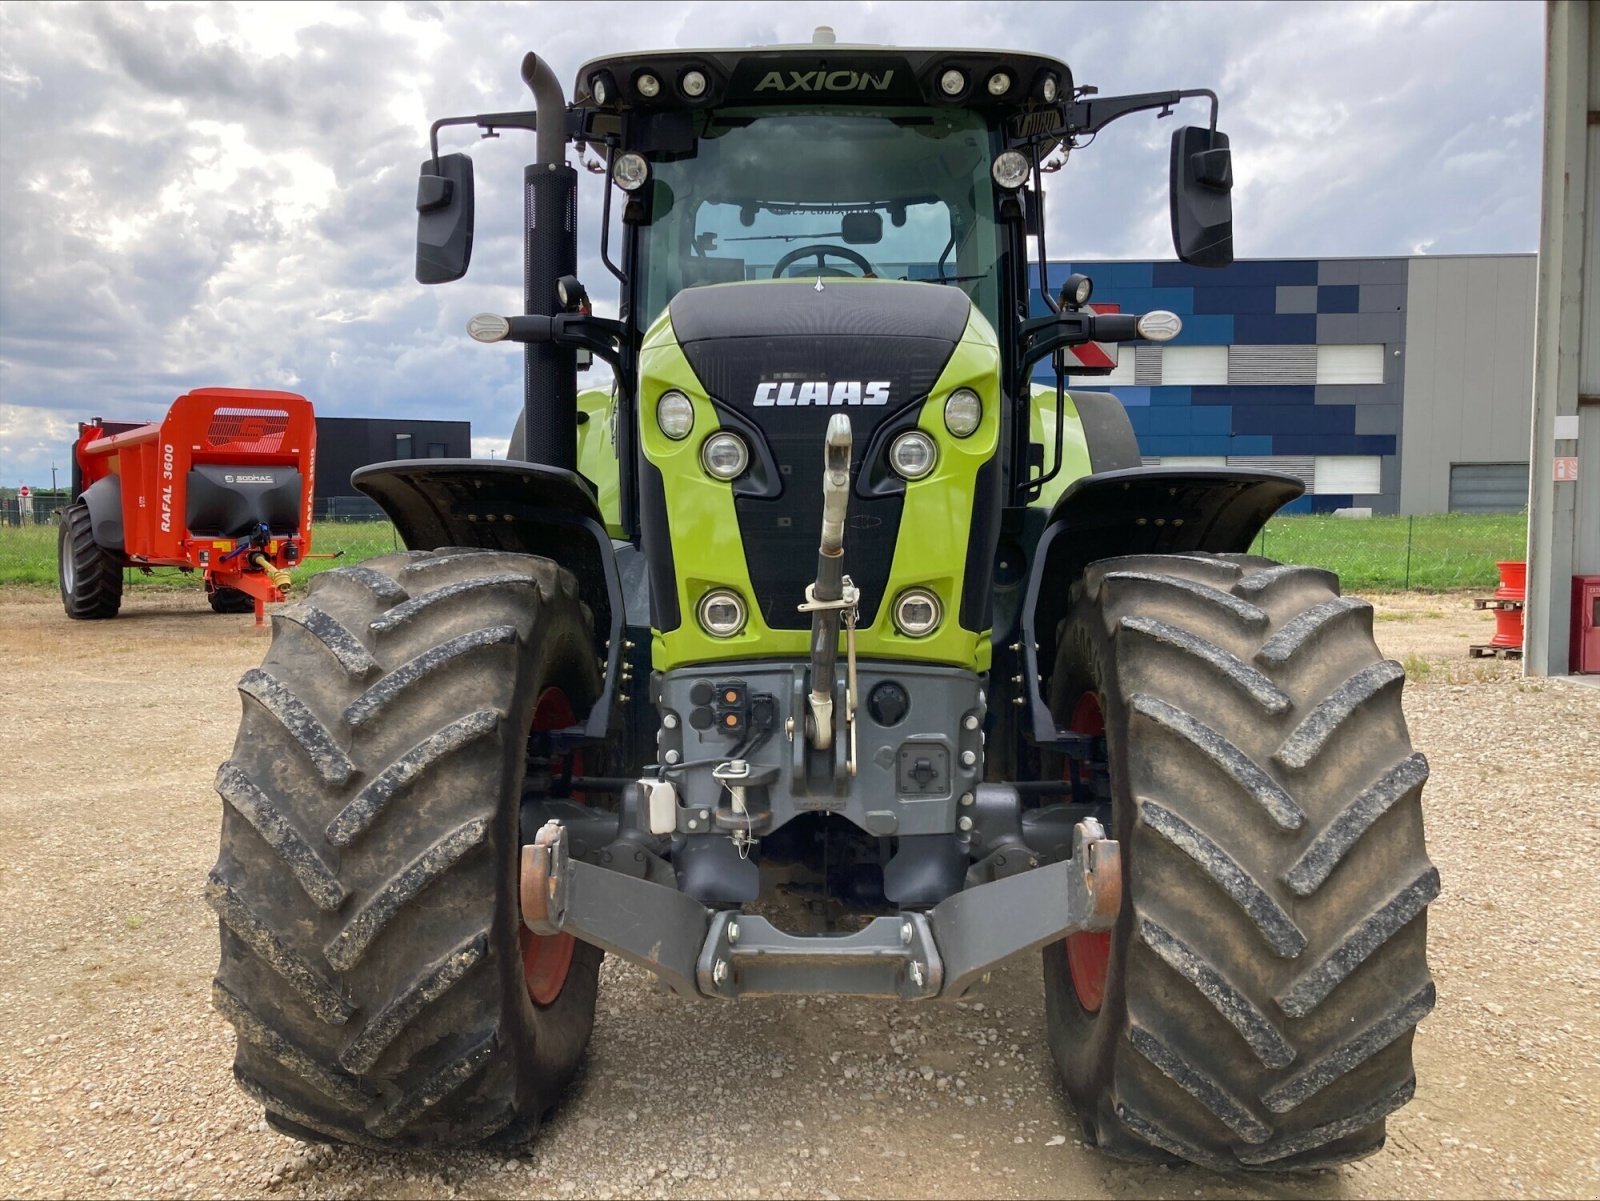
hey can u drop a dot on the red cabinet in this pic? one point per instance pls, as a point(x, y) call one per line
point(1585, 654)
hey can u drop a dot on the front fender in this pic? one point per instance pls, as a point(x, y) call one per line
point(1143, 510)
point(104, 498)
point(506, 505)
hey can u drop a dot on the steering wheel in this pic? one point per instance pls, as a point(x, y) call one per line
point(822, 250)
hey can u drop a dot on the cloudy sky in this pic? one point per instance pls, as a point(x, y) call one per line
point(221, 194)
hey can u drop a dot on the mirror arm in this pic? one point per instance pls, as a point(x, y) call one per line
point(490, 123)
point(1090, 116)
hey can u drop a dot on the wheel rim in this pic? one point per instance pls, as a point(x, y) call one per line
point(68, 573)
point(547, 958)
point(1089, 951)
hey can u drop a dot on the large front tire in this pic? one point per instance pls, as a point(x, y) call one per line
point(1254, 1006)
point(372, 962)
point(90, 576)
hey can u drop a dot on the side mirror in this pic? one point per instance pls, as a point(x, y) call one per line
point(1202, 201)
point(861, 229)
point(444, 219)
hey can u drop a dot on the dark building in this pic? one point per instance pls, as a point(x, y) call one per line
point(346, 443)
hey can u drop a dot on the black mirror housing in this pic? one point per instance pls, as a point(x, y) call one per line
point(444, 219)
point(861, 229)
point(1202, 197)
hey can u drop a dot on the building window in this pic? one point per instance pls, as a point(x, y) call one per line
point(437, 450)
point(1348, 475)
point(1194, 365)
point(1350, 364)
point(402, 446)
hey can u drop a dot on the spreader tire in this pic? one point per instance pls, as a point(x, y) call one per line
point(1268, 967)
point(90, 575)
point(230, 600)
point(372, 963)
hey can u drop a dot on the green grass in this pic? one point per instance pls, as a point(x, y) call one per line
point(1432, 553)
point(1378, 554)
point(28, 553)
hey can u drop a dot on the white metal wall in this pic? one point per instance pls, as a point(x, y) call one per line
point(1468, 370)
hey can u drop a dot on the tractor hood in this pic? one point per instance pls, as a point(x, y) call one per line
point(775, 360)
point(753, 345)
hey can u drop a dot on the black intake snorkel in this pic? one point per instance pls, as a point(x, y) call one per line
point(550, 242)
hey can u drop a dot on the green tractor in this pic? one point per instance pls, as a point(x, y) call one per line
point(824, 652)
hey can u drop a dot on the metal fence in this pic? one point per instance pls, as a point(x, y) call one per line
point(1430, 553)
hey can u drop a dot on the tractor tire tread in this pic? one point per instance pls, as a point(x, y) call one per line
point(1269, 970)
point(365, 888)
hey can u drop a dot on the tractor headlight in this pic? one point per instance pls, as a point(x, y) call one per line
point(693, 84)
point(630, 171)
point(648, 85)
point(916, 612)
point(725, 456)
point(675, 415)
point(721, 613)
point(962, 412)
point(999, 83)
point(952, 82)
point(1010, 168)
point(913, 454)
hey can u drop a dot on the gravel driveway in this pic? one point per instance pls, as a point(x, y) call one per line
point(114, 1071)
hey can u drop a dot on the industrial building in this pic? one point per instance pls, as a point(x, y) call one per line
point(346, 443)
point(1403, 385)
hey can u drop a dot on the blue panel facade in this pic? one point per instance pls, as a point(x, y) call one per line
point(1265, 304)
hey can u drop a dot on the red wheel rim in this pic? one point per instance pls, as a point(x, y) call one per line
point(546, 959)
point(1089, 952)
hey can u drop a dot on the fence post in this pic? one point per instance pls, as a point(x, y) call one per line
point(1411, 523)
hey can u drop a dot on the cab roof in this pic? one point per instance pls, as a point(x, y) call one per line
point(1008, 82)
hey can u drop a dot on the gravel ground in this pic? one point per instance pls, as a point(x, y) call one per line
point(114, 1071)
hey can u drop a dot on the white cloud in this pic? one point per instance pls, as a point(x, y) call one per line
point(221, 194)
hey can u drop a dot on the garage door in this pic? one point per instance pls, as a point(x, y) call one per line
point(1488, 487)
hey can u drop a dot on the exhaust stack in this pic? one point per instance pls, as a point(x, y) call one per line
point(826, 598)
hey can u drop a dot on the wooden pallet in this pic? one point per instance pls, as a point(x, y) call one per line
point(1485, 651)
point(1495, 602)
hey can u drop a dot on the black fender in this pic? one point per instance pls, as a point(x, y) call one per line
point(526, 508)
point(1113, 446)
point(104, 498)
point(1142, 510)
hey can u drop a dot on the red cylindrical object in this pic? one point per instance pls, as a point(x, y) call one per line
point(1508, 620)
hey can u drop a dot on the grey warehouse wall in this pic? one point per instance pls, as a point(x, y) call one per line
point(1468, 370)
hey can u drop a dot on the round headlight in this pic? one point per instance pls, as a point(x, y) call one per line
point(916, 612)
point(999, 83)
point(721, 613)
point(962, 412)
point(694, 84)
point(725, 456)
point(1048, 88)
point(598, 89)
point(1010, 168)
point(1078, 289)
point(952, 82)
point(1158, 325)
point(675, 415)
point(649, 86)
point(630, 171)
point(912, 454)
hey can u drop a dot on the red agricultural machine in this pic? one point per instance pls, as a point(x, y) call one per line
point(221, 485)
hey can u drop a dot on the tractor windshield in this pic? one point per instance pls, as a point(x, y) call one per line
point(772, 193)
